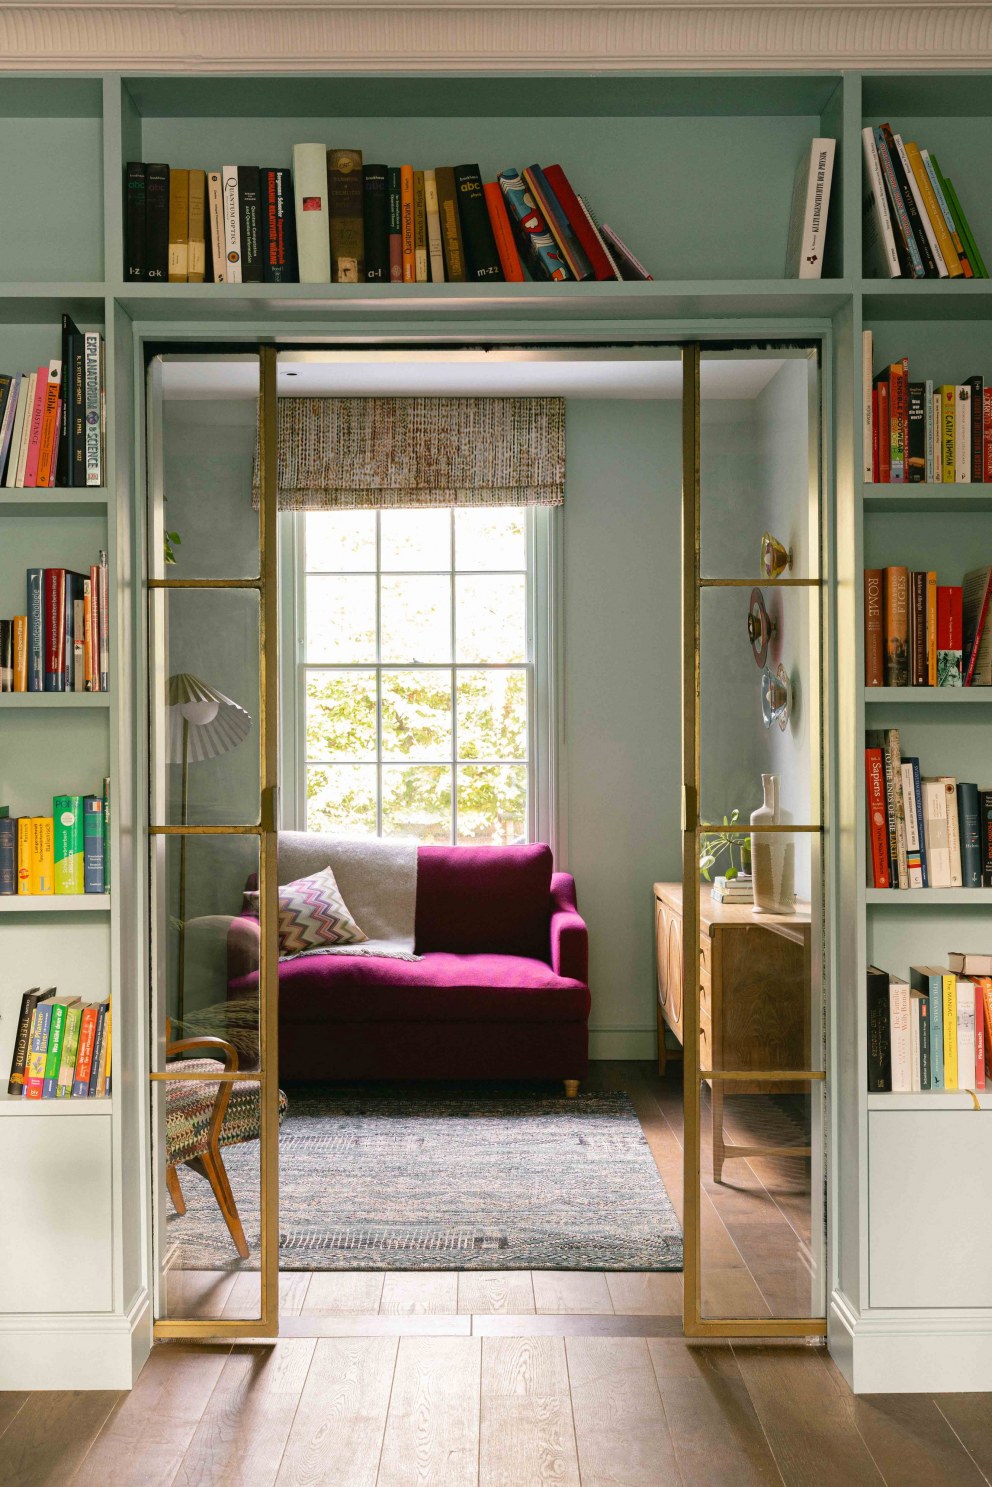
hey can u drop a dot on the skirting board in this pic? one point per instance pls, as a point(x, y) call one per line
point(623, 1042)
point(911, 1352)
point(89, 1351)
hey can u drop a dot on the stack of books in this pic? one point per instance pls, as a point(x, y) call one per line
point(61, 1049)
point(919, 633)
point(923, 831)
point(916, 432)
point(914, 224)
point(739, 890)
point(335, 220)
point(933, 1031)
point(53, 421)
point(65, 852)
point(62, 644)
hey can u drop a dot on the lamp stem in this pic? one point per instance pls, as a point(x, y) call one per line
point(184, 801)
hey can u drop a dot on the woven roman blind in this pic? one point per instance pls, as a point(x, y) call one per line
point(338, 454)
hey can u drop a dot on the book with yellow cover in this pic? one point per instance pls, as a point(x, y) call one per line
point(20, 652)
point(925, 186)
point(25, 854)
point(42, 854)
point(950, 1030)
point(197, 256)
point(178, 226)
point(948, 422)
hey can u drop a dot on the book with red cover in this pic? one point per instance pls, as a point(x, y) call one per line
point(898, 420)
point(84, 1053)
point(882, 428)
point(509, 258)
point(48, 449)
point(874, 629)
point(985, 985)
point(877, 821)
point(949, 626)
point(36, 415)
point(579, 222)
point(53, 614)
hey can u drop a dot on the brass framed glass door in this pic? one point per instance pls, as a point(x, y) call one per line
point(213, 733)
point(753, 895)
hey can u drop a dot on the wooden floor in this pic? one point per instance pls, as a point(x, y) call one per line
point(507, 1379)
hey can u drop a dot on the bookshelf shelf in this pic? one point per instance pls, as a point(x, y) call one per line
point(928, 897)
point(931, 1101)
point(926, 498)
point(926, 299)
point(16, 1105)
point(80, 501)
point(28, 700)
point(55, 903)
point(931, 696)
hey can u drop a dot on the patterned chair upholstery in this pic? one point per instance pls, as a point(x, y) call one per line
point(202, 1116)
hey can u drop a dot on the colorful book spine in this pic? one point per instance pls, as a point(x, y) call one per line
point(25, 852)
point(509, 258)
point(407, 231)
point(877, 824)
point(67, 815)
point(538, 248)
point(435, 239)
point(34, 1074)
point(22, 1039)
point(345, 216)
point(559, 226)
point(84, 1054)
point(394, 196)
point(94, 408)
point(93, 845)
point(43, 854)
point(70, 1047)
point(420, 227)
point(8, 856)
point(104, 622)
point(950, 1007)
point(53, 1054)
point(896, 595)
point(99, 1049)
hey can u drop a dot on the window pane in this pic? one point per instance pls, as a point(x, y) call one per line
point(492, 803)
point(416, 715)
point(341, 799)
point(416, 619)
point(491, 538)
point(340, 619)
point(491, 619)
point(341, 714)
point(416, 802)
point(340, 541)
point(416, 539)
point(492, 714)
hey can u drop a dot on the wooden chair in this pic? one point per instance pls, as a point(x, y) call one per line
point(201, 1117)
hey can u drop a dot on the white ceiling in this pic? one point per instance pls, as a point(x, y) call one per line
point(569, 373)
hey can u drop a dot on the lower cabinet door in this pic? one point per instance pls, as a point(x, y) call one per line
point(56, 1238)
point(929, 1208)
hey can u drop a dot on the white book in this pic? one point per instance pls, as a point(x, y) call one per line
point(894, 746)
point(810, 205)
point(435, 243)
point(232, 225)
point(25, 436)
point(313, 242)
point(914, 1042)
point(881, 261)
point(901, 1037)
point(921, 207)
point(953, 831)
point(935, 833)
point(912, 825)
point(9, 416)
point(966, 1034)
point(93, 414)
point(867, 431)
point(962, 434)
point(215, 215)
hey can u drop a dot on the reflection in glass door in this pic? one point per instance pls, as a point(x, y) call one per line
point(753, 882)
point(213, 720)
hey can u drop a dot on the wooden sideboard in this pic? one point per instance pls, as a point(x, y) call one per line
point(754, 998)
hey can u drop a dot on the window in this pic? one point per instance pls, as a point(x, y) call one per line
point(419, 688)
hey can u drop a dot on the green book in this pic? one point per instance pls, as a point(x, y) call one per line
point(53, 1058)
point(70, 1047)
point(961, 223)
point(67, 815)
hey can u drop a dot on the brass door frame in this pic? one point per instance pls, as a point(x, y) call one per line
point(267, 1075)
point(693, 1322)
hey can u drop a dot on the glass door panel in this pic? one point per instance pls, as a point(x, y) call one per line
point(753, 851)
point(212, 679)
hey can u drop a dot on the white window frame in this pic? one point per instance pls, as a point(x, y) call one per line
point(545, 798)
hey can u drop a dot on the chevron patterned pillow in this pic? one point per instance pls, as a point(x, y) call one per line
point(312, 913)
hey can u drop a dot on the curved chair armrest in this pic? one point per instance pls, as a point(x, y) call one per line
point(229, 1054)
point(244, 939)
point(569, 936)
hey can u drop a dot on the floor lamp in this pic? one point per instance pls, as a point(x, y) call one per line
point(202, 724)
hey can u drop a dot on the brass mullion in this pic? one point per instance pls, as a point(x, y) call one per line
point(205, 583)
point(763, 583)
point(747, 830)
point(760, 1327)
point(206, 1330)
point(205, 1076)
point(205, 830)
point(767, 1075)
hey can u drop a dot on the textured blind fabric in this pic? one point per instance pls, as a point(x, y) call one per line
point(338, 454)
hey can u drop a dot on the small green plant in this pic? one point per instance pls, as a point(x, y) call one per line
point(735, 846)
point(172, 541)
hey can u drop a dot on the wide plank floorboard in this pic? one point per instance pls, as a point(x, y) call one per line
point(509, 1291)
point(419, 1291)
point(645, 1293)
point(432, 1428)
point(970, 1417)
point(716, 1434)
point(620, 1426)
point(572, 1291)
point(336, 1436)
point(912, 1443)
point(11, 1400)
point(343, 1293)
point(526, 1433)
point(50, 1435)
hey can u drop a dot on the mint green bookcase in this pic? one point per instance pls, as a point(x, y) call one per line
point(695, 171)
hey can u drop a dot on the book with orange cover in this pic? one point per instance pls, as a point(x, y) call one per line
point(509, 258)
point(49, 426)
point(20, 652)
point(897, 627)
point(35, 416)
point(984, 984)
point(84, 1053)
point(408, 241)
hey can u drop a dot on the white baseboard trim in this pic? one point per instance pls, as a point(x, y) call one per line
point(94, 1350)
point(623, 1042)
point(911, 1352)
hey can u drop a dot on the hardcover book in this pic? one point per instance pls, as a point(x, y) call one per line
point(602, 265)
point(93, 845)
point(22, 1038)
point(178, 226)
point(157, 223)
point(345, 216)
point(435, 240)
point(928, 981)
point(420, 227)
point(561, 230)
point(897, 627)
point(196, 262)
point(969, 831)
point(8, 856)
point(394, 193)
point(481, 256)
point(509, 258)
point(538, 248)
point(976, 627)
point(67, 815)
point(874, 629)
point(879, 1040)
point(407, 229)
point(134, 221)
point(232, 224)
point(279, 264)
point(949, 635)
point(313, 243)
point(375, 208)
point(451, 232)
point(250, 223)
point(810, 204)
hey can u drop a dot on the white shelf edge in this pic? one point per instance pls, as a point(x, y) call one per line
point(908, 896)
point(939, 696)
point(55, 903)
point(27, 700)
point(15, 1105)
point(930, 1099)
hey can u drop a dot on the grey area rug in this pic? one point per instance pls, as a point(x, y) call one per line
point(517, 1179)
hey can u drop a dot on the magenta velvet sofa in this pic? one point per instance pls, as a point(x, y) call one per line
point(501, 990)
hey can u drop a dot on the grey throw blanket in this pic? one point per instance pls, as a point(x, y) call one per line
point(378, 882)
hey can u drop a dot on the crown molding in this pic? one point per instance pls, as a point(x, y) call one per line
point(443, 35)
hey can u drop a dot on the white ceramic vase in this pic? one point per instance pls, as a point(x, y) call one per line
point(773, 864)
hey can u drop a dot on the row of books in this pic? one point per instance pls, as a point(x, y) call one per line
point(919, 633)
point(916, 432)
point(53, 421)
point(914, 224)
point(62, 1048)
point(66, 852)
point(62, 644)
point(933, 1031)
point(334, 219)
point(923, 831)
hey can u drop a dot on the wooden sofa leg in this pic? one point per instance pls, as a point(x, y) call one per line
point(571, 1088)
point(175, 1191)
point(216, 1174)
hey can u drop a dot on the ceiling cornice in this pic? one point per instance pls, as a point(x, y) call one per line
point(515, 35)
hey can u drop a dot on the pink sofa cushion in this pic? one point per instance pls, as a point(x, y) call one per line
point(484, 900)
point(438, 988)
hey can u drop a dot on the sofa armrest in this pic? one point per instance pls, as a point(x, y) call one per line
point(569, 936)
point(244, 943)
